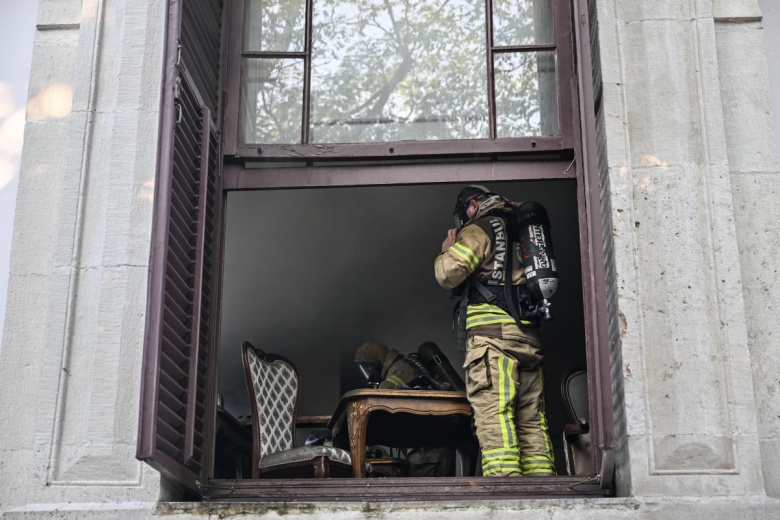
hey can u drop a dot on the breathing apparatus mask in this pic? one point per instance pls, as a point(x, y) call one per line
point(465, 197)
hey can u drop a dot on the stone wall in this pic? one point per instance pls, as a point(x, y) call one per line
point(72, 347)
point(675, 111)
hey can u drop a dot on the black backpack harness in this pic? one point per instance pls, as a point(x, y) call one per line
point(512, 299)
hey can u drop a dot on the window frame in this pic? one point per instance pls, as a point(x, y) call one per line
point(318, 167)
point(565, 82)
point(573, 154)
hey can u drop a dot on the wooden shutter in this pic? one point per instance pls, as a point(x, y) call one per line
point(178, 391)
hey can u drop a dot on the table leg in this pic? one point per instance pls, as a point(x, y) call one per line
point(356, 424)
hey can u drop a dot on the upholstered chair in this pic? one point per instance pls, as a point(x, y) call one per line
point(274, 391)
point(576, 436)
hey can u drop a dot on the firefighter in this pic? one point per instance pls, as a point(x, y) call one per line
point(378, 364)
point(389, 369)
point(503, 364)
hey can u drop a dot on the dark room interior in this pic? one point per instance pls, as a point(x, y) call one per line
point(312, 273)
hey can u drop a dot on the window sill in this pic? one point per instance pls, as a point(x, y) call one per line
point(403, 489)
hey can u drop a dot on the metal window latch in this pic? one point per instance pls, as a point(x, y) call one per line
point(570, 165)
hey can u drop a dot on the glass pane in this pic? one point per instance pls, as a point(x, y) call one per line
point(275, 25)
point(389, 70)
point(526, 95)
point(272, 101)
point(522, 22)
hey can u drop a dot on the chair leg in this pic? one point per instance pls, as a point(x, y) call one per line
point(255, 464)
point(321, 468)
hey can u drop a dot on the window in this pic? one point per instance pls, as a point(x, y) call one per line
point(371, 71)
point(331, 72)
point(318, 94)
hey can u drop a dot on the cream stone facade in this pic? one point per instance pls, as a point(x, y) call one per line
point(689, 156)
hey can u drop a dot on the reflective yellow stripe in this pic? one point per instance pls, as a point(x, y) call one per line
point(466, 254)
point(535, 460)
point(543, 420)
point(546, 464)
point(501, 461)
point(541, 464)
point(397, 381)
point(501, 453)
point(488, 320)
point(485, 308)
point(506, 400)
point(548, 471)
point(486, 314)
point(531, 465)
point(500, 467)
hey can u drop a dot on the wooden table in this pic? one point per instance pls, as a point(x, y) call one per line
point(399, 418)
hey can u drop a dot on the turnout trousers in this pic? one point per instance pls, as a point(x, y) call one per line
point(505, 386)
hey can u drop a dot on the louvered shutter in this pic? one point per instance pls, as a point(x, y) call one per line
point(179, 374)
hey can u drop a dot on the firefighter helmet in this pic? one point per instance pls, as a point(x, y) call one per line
point(466, 195)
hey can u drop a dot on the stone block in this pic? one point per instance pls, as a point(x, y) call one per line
point(686, 374)
point(693, 452)
point(118, 202)
point(608, 35)
point(747, 107)
point(758, 233)
point(679, 302)
point(612, 101)
point(638, 12)
point(649, 481)
point(736, 9)
point(98, 408)
point(662, 101)
point(16, 467)
point(29, 301)
point(770, 451)
point(129, 49)
point(54, 14)
point(47, 199)
point(50, 91)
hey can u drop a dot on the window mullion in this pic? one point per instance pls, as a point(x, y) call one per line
point(523, 48)
point(272, 54)
point(306, 112)
point(491, 84)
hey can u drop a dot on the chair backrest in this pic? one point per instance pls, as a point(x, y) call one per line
point(574, 389)
point(274, 388)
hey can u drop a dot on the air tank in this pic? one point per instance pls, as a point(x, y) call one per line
point(537, 256)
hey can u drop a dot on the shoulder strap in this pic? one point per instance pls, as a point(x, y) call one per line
point(459, 318)
point(509, 294)
point(489, 296)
